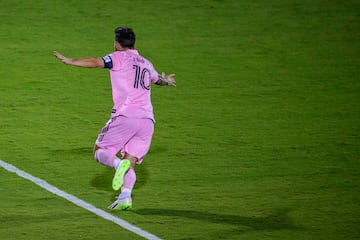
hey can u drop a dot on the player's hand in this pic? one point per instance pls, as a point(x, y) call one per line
point(62, 58)
point(169, 79)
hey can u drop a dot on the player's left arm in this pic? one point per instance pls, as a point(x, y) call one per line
point(166, 80)
point(88, 62)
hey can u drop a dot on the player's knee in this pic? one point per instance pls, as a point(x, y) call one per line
point(132, 159)
point(133, 163)
point(96, 148)
point(96, 153)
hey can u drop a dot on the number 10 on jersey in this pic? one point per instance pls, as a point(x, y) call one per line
point(140, 76)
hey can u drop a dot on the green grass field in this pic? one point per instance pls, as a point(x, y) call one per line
point(259, 140)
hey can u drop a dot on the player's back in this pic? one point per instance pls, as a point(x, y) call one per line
point(131, 77)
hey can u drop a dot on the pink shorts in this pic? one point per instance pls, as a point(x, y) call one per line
point(128, 135)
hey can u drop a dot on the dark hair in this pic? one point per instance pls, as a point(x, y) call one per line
point(125, 36)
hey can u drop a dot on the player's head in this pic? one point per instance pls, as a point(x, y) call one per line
point(125, 36)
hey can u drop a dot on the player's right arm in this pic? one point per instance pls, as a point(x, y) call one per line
point(89, 62)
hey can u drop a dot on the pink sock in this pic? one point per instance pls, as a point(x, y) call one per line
point(129, 179)
point(105, 157)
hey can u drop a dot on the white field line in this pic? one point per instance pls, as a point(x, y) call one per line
point(79, 202)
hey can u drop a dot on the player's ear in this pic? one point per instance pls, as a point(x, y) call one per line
point(117, 45)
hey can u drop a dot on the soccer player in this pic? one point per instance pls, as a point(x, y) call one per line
point(131, 125)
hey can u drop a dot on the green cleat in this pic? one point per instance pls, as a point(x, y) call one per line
point(118, 178)
point(122, 203)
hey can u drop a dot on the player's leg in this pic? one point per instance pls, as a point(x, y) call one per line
point(124, 200)
point(105, 149)
point(106, 157)
point(130, 176)
point(113, 137)
point(135, 151)
point(122, 171)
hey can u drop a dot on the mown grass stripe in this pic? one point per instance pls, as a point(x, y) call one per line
point(43, 184)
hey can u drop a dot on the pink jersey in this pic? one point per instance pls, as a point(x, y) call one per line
point(131, 76)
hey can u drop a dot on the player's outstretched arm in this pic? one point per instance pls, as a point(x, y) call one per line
point(89, 62)
point(166, 80)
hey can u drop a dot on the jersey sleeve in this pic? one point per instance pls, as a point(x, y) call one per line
point(154, 75)
point(108, 63)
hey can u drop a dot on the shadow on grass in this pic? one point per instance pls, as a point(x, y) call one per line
point(74, 151)
point(102, 181)
point(276, 221)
